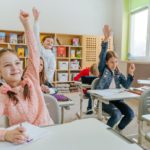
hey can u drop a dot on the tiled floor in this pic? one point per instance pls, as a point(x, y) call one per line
point(131, 129)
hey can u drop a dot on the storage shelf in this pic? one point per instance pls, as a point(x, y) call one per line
point(61, 70)
point(65, 40)
point(62, 58)
point(76, 58)
point(68, 46)
point(22, 44)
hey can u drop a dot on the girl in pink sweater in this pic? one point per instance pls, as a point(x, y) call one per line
point(21, 99)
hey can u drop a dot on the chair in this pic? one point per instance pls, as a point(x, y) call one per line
point(144, 115)
point(93, 86)
point(82, 96)
point(53, 108)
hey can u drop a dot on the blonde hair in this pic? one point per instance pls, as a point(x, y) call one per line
point(42, 74)
point(94, 69)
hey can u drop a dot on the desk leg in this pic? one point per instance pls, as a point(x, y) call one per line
point(62, 115)
point(140, 127)
point(81, 103)
point(79, 115)
point(100, 116)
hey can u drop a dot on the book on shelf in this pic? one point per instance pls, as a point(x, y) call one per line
point(75, 41)
point(2, 37)
point(61, 51)
point(78, 54)
point(72, 53)
point(22, 51)
point(20, 38)
point(13, 38)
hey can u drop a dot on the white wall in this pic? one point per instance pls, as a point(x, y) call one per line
point(117, 30)
point(60, 16)
point(68, 16)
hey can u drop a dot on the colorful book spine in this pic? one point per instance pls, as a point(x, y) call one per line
point(13, 38)
point(20, 51)
point(2, 37)
point(61, 51)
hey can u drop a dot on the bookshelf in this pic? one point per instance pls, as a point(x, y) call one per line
point(73, 52)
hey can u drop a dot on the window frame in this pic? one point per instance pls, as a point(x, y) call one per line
point(140, 58)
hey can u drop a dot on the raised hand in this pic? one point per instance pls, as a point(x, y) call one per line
point(107, 32)
point(24, 17)
point(131, 69)
point(36, 13)
point(45, 88)
point(16, 136)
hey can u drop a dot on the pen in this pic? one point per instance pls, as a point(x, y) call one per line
point(28, 139)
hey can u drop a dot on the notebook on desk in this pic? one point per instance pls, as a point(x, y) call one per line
point(88, 79)
point(35, 133)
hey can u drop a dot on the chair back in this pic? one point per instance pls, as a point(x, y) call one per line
point(94, 83)
point(144, 104)
point(53, 108)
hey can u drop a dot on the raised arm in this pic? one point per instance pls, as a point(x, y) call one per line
point(104, 47)
point(36, 28)
point(34, 57)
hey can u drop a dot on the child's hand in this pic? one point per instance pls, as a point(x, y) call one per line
point(36, 13)
point(24, 17)
point(45, 89)
point(131, 69)
point(16, 136)
point(107, 32)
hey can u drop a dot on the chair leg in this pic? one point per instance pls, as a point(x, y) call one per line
point(140, 132)
point(62, 115)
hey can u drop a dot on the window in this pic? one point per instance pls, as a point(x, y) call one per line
point(139, 35)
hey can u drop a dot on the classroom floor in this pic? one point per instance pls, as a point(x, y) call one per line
point(130, 130)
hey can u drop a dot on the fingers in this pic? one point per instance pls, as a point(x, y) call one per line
point(36, 13)
point(20, 138)
point(132, 66)
point(106, 31)
point(24, 13)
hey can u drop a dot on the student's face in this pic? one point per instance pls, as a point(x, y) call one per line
point(10, 67)
point(41, 65)
point(48, 43)
point(112, 63)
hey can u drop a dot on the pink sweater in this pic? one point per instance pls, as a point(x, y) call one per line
point(32, 110)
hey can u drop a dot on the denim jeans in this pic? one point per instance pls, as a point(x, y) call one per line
point(116, 109)
point(89, 102)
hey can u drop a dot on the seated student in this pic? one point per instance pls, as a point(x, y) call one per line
point(89, 71)
point(46, 86)
point(111, 77)
point(92, 71)
point(21, 100)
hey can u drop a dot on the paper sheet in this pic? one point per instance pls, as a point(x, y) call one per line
point(34, 132)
